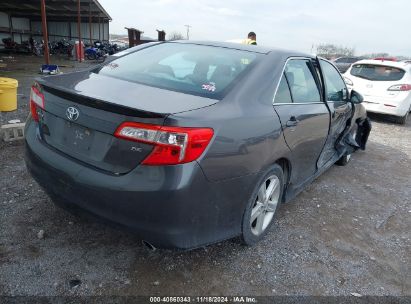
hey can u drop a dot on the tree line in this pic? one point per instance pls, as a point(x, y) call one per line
point(330, 51)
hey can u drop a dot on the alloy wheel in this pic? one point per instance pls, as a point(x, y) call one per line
point(265, 205)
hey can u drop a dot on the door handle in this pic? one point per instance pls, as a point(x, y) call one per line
point(292, 122)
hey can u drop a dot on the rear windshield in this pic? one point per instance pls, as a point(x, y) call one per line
point(188, 68)
point(377, 72)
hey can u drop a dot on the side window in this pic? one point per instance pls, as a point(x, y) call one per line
point(283, 94)
point(335, 85)
point(301, 80)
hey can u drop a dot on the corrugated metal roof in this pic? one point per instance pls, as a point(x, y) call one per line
point(55, 9)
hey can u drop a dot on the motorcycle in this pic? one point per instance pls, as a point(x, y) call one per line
point(62, 47)
point(107, 47)
point(93, 53)
point(11, 45)
point(35, 47)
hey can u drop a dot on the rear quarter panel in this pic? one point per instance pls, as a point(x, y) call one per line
point(247, 132)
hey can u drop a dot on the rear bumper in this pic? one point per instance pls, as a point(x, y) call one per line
point(388, 106)
point(168, 206)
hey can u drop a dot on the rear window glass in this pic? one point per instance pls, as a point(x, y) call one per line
point(346, 60)
point(188, 68)
point(352, 60)
point(377, 72)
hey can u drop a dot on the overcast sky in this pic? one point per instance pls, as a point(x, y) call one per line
point(367, 25)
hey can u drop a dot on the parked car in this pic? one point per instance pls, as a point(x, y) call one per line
point(343, 63)
point(386, 58)
point(190, 143)
point(385, 85)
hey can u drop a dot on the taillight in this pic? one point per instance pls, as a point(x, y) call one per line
point(400, 87)
point(172, 145)
point(36, 100)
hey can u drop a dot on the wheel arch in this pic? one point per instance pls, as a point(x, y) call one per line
point(285, 165)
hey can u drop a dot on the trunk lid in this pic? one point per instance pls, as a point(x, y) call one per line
point(83, 110)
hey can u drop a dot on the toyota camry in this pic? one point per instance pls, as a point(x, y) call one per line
point(191, 143)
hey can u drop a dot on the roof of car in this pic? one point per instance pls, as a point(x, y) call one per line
point(396, 64)
point(348, 57)
point(245, 47)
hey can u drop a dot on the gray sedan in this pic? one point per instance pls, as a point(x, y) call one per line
point(191, 143)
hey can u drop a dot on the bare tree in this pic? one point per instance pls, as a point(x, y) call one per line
point(175, 36)
point(329, 50)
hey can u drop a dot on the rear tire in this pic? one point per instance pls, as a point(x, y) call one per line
point(402, 119)
point(102, 58)
point(262, 206)
point(91, 56)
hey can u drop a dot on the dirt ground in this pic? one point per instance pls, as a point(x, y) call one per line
point(348, 232)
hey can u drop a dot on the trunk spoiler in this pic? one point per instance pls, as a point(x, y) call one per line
point(98, 104)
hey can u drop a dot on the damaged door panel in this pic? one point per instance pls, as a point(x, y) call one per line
point(336, 95)
point(304, 116)
point(355, 135)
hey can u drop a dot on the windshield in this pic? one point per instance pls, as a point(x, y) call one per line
point(377, 72)
point(188, 68)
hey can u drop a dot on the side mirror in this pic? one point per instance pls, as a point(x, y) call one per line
point(356, 97)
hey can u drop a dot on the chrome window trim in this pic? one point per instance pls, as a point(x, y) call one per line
point(298, 103)
point(302, 103)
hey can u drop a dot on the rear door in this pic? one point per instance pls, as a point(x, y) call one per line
point(304, 116)
point(336, 95)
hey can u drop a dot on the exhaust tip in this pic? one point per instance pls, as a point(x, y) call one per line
point(148, 245)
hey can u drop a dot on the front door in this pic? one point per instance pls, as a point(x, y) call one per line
point(336, 95)
point(304, 117)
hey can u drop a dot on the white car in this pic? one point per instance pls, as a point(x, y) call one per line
point(385, 86)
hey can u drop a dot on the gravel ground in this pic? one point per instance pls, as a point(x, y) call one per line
point(348, 232)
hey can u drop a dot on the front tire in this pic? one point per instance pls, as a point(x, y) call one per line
point(402, 119)
point(262, 206)
point(345, 159)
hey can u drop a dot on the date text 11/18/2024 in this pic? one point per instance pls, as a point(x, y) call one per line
point(203, 299)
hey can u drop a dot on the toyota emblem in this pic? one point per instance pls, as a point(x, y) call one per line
point(72, 113)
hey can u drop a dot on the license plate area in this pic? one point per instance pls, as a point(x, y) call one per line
point(77, 137)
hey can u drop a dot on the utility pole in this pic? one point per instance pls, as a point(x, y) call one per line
point(188, 31)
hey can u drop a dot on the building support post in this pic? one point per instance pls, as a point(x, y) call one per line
point(45, 33)
point(11, 26)
point(89, 23)
point(99, 28)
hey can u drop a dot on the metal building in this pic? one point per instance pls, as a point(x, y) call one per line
point(21, 19)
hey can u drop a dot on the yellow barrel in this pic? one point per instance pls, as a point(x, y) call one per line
point(8, 94)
